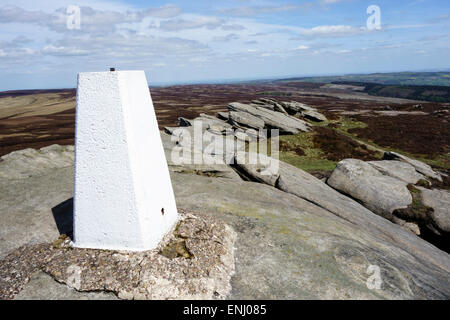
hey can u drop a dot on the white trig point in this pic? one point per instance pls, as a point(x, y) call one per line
point(123, 193)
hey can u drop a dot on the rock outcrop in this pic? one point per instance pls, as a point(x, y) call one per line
point(379, 193)
point(439, 200)
point(398, 169)
point(387, 188)
point(245, 119)
point(421, 167)
point(286, 124)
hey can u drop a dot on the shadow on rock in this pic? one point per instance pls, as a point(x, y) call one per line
point(63, 215)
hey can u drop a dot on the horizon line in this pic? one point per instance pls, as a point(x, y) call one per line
point(245, 80)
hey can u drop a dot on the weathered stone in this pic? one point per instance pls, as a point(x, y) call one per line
point(279, 108)
point(31, 162)
point(379, 193)
point(264, 105)
point(294, 107)
point(181, 156)
point(314, 115)
point(411, 226)
point(285, 124)
point(171, 130)
point(397, 169)
point(439, 200)
point(258, 102)
point(421, 167)
point(223, 115)
point(246, 119)
point(241, 135)
point(257, 167)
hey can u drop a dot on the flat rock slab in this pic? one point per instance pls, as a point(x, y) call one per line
point(201, 269)
point(246, 119)
point(273, 119)
point(398, 169)
point(421, 167)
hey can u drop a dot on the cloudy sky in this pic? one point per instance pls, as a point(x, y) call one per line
point(213, 40)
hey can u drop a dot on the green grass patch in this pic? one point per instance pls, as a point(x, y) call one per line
point(299, 150)
point(308, 164)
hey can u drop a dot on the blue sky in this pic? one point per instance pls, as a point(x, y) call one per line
point(198, 41)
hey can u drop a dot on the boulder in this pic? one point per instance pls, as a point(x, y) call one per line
point(208, 122)
point(180, 156)
point(439, 200)
point(313, 115)
point(420, 167)
point(245, 134)
point(397, 169)
point(257, 167)
point(264, 106)
point(379, 193)
point(294, 107)
point(222, 115)
point(259, 102)
point(32, 162)
point(241, 135)
point(245, 119)
point(171, 130)
point(277, 120)
point(410, 226)
point(279, 108)
point(267, 100)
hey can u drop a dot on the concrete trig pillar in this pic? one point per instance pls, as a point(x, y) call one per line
point(123, 194)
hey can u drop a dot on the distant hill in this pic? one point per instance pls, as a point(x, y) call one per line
point(426, 86)
point(395, 78)
point(425, 93)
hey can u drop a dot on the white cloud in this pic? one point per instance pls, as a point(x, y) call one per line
point(199, 22)
point(233, 27)
point(92, 20)
point(336, 30)
point(63, 51)
point(10, 14)
point(227, 38)
point(168, 11)
point(256, 10)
